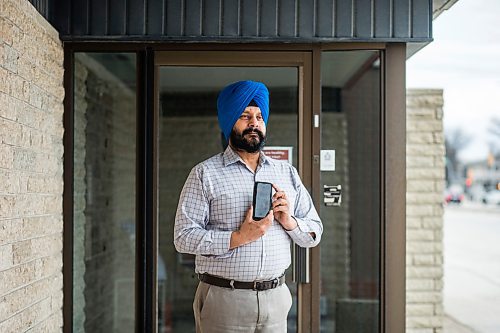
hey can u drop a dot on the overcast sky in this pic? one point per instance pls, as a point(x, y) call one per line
point(464, 60)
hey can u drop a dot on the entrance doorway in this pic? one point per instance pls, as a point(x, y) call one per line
point(188, 133)
point(327, 119)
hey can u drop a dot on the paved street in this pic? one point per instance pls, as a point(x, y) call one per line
point(472, 266)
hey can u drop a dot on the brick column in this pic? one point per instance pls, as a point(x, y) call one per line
point(425, 183)
point(31, 170)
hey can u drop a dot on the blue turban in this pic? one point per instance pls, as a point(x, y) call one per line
point(233, 100)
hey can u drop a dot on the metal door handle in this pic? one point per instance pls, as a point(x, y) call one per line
point(300, 264)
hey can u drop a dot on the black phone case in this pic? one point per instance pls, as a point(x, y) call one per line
point(254, 202)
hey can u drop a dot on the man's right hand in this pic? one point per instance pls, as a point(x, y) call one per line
point(250, 230)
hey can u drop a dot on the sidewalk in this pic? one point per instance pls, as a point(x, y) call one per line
point(477, 206)
point(451, 325)
point(471, 280)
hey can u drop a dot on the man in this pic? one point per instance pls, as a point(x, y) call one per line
point(241, 262)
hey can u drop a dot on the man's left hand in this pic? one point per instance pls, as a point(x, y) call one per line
point(281, 209)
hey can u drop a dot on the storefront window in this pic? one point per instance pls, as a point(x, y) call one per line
point(104, 192)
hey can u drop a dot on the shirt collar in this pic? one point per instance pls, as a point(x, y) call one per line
point(230, 157)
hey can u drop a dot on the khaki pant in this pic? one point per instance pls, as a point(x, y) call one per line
point(219, 310)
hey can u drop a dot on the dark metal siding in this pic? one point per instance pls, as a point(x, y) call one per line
point(274, 20)
point(42, 6)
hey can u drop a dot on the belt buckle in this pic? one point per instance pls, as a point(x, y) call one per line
point(265, 285)
point(258, 285)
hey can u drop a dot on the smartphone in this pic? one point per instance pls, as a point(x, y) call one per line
point(262, 200)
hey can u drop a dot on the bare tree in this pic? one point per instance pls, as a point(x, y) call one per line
point(455, 141)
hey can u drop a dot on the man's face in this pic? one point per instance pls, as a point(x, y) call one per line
point(249, 131)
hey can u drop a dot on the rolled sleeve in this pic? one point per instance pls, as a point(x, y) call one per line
point(301, 235)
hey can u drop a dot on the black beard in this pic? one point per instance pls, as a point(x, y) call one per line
point(251, 145)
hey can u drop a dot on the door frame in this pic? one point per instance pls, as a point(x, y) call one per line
point(393, 189)
point(302, 60)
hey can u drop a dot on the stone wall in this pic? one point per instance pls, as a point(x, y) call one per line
point(425, 183)
point(31, 171)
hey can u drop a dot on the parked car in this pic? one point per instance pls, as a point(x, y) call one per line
point(492, 197)
point(454, 194)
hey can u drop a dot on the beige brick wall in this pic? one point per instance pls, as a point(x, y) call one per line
point(31, 169)
point(425, 184)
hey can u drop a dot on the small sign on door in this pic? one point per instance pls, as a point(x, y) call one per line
point(279, 153)
point(332, 195)
point(327, 160)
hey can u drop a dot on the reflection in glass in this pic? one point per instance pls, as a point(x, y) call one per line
point(104, 192)
point(188, 134)
point(350, 248)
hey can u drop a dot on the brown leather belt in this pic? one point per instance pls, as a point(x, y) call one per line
point(255, 285)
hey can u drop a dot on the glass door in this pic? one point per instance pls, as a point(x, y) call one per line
point(188, 84)
point(350, 179)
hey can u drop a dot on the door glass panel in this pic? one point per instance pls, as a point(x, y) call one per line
point(188, 134)
point(104, 192)
point(350, 247)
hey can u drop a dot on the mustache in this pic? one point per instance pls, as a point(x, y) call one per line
point(251, 130)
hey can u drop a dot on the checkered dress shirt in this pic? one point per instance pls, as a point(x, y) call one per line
point(213, 203)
